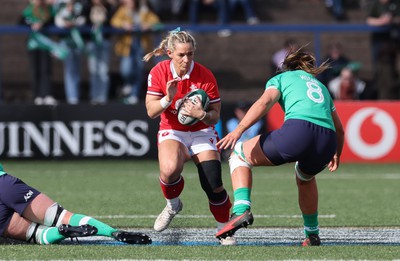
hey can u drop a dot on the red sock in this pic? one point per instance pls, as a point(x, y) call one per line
point(221, 210)
point(172, 190)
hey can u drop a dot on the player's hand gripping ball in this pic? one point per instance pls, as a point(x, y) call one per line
point(203, 97)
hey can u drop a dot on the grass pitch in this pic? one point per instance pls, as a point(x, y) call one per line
point(126, 194)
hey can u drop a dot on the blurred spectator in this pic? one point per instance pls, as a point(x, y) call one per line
point(239, 111)
point(197, 7)
point(168, 9)
point(70, 15)
point(219, 128)
point(225, 11)
point(279, 56)
point(347, 86)
point(248, 10)
point(385, 13)
point(150, 21)
point(98, 49)
point(38, 14)
point(337, 60)
point(336, 8)
point(129, 17)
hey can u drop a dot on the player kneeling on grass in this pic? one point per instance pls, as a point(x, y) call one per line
point(29, 215)
point(312, 136)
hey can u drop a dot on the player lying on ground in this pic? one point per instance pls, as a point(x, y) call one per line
point(27, 214)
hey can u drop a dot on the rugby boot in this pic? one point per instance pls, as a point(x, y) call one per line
point(235, 222)
point(164, 219)
point(312, 240)
point(132, 238)
point(77, 231)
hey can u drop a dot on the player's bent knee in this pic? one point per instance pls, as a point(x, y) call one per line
point(54, 215)
point(237, 158)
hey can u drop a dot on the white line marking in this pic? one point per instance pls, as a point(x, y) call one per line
point(389, 176)
point(204, 216)
point(279, 236)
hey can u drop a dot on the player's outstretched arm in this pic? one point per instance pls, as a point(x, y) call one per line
point(253, 115)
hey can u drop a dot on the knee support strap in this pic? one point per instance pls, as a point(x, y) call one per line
point(237, 158)
point(300, 174)
point(54, 215)
point(210, 176)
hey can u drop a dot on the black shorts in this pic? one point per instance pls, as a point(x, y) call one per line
point(311, 145)
point(15, 196)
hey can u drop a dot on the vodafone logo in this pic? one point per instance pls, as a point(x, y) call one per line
point(382, 121)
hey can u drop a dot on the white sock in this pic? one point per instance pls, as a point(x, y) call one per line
point(173, 203)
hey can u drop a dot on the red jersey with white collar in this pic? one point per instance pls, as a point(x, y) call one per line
point(198, 77)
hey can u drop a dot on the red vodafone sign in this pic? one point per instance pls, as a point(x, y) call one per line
point(372, 130)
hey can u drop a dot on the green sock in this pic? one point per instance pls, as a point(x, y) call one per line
point(49, 235)
point(103, 229)
point(311, 224)
point(242, 200)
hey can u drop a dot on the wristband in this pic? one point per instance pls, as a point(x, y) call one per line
point(204, 115)
point(164, 103)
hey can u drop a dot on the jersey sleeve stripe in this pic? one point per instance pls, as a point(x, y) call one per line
point(155, 93)
point(215, 100)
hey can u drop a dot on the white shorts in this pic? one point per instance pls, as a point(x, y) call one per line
point(196, 142)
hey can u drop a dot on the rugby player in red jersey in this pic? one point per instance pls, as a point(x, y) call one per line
point(168, 82)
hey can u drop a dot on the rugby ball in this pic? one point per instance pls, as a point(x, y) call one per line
point(205, 100)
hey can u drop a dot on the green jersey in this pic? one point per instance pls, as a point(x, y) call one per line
point(303, 97)
point(33, 14)
point(2, 172)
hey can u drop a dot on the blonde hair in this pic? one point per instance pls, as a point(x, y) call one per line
point(302, 60)
point(169, 42)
